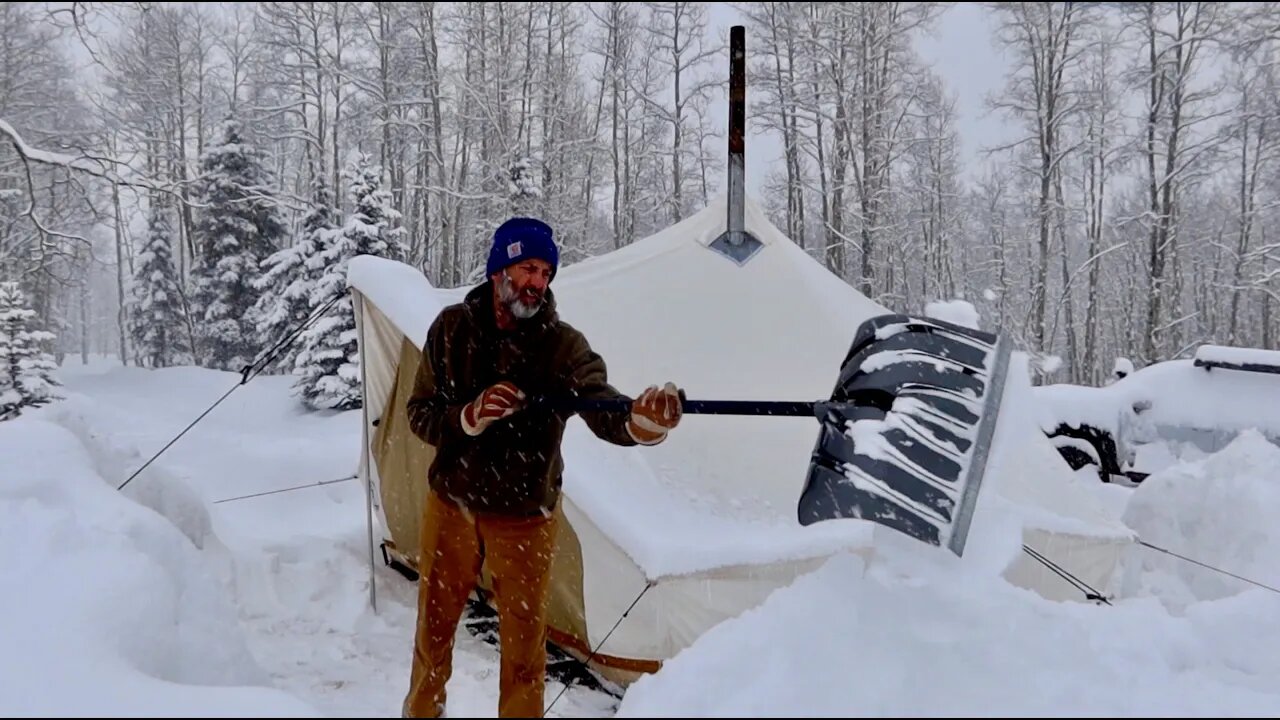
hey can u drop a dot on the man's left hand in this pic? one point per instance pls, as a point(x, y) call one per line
point(654, 414)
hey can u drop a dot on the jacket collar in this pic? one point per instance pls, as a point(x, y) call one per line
point(479, 300)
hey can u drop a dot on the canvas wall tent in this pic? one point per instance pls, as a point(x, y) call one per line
point(708, 517)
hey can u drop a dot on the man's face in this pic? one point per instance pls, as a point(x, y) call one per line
point(523, 286)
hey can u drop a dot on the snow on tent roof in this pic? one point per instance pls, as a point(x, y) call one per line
point(714, 507)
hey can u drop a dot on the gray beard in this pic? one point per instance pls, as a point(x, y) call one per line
point(507, 294)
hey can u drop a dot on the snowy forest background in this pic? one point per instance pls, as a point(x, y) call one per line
point(183, 183)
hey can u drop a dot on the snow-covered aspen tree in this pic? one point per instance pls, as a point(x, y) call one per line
point(1047, 39)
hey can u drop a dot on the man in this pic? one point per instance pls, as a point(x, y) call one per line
point(496, 476)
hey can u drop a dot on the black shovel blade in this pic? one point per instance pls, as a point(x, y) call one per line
point(905, 440)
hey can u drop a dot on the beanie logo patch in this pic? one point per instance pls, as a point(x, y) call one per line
point(513, 250)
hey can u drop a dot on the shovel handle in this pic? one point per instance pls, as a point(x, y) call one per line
point(802, 408)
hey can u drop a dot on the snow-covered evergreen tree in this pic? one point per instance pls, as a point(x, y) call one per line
point(329, 366)
point(26, 370)
point(291, 275)
point(373, 225)
point(523, 191)
point(237, 229)
point(156, 317)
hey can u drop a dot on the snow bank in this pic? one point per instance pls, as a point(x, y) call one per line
point(116, 458)
point(105, 607)
point(258, 439)
point(1220, 511)
point(915, 636)
point(294, 564)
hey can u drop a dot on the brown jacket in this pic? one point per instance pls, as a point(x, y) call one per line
point(514, 467)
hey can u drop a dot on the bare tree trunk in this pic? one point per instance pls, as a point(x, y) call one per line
point(548, 104)
point(1094, 198)
point(84, 309)
point(1248, 202)
point(798, 230)
point(835, 230)
point(588, 180)
point(1155, 258)
point(339, 44)
point(787, 111)
point(1043, 35)
point(619, 175)
point(1267, 322)
point(820, 140)
point(386, 157)
point(180, 160)
point(122, 310)
point(870, 127)
point(1073, 354)
point(1192, 25)
point(437, 127)
point(526, 101)
point(677, 202)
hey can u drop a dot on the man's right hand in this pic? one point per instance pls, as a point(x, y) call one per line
point(495, 403)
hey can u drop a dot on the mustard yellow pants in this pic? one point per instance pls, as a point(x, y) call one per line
point(518, 552)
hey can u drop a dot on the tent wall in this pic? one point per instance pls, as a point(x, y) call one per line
point(1093, 560)
point(402, 461)
point(379, 342)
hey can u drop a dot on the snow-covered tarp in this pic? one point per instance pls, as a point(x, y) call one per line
point(1171, 409)
point(1238, 356)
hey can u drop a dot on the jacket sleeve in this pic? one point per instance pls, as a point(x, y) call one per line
point(434, 409)
point(588, 378)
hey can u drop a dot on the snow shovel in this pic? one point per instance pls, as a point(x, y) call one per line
point(904, 438)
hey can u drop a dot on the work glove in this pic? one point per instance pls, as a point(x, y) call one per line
point(654, 414)
point(495, 403)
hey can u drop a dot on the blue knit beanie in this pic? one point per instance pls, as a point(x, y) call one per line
point(521, 238)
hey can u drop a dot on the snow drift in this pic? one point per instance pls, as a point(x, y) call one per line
point(113, 608)
point(1221, 509)
point(915, 635)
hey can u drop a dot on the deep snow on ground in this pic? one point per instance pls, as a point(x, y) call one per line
point(172, 598)
point(265, 597)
